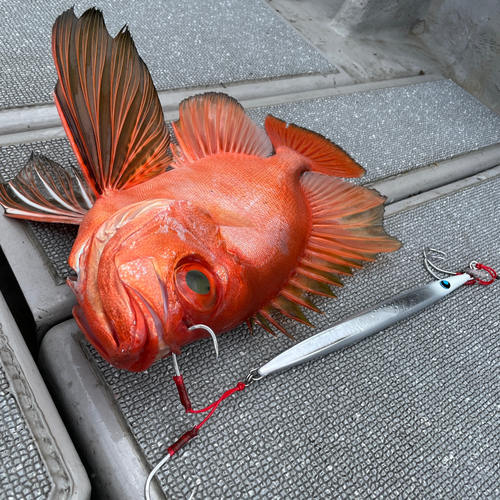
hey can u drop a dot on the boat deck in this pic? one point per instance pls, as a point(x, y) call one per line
point(411, 412)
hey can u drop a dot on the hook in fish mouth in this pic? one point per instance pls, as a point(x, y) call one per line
point(212, 334)
point(214, 339)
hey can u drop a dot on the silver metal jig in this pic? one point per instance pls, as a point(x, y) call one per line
point(365, 323)
point(357, 327)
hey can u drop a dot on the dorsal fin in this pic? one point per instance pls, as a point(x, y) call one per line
point(325, 156)
point(346, 230)
point(214, 123)
point(107, 103)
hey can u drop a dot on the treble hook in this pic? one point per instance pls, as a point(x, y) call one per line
point(428, 263)
point(474, 270)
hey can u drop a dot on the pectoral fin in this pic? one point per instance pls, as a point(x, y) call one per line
point(107, 103)
point(347, 229)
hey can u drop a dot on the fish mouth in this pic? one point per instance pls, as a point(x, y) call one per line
point(127, 318)
point(128, 307)
point(149, 332)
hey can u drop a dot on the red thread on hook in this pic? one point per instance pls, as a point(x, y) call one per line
point(185, 438)
point(182, 441)
point(183, 395)
point(490, 271)
point(472, 281)
point(475, 279)
point(239, 387)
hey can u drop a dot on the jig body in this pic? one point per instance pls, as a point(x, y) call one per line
point(363, 324)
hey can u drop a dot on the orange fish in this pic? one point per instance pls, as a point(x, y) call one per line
point(232, 233)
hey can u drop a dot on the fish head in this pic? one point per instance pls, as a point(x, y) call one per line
point(147, 275)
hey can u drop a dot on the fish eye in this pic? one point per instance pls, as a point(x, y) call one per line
point(198, 282)
point(196, 285)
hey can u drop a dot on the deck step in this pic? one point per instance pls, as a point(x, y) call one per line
point(184, 44)
point(38, 459)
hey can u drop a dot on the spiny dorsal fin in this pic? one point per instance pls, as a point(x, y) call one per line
point(46, 192)
point(107, 103)
point(214, 123)
point(325, 156)
point(346, 230)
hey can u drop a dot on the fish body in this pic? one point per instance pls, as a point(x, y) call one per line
point(232, 233)
point(242, 219)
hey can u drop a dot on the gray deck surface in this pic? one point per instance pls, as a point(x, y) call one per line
point(411, 412)
point(37, 458)
point(393, 130)
point(23, 473)
point(184, 44)
point(388, 131)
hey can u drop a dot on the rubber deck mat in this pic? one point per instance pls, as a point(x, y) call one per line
point(23, 473)
point(33, 466)
point(184, 44)
point(411, 412)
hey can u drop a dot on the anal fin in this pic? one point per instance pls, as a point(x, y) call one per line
point(347, 229)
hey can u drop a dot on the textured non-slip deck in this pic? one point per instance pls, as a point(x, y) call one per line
point(393, 130)
point(411, 412)
point(23, 473)
point(37, 460)
point(184, 44)
point(388, 131)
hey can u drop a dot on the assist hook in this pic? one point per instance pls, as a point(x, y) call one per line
point(478, 271)
point(147, 486)
point(212, 334)
point(197, 327)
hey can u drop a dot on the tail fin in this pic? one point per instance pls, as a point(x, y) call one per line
point(325, 157)
point(46, 192)
point(107, 103)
